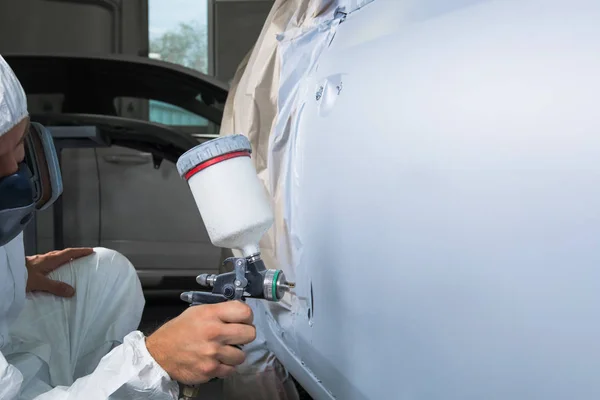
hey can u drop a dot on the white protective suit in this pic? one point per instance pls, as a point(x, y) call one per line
point(83, 347)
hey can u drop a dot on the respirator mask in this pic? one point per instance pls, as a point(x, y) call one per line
point(35, 186)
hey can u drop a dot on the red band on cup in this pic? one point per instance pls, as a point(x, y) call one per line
point(214, 161)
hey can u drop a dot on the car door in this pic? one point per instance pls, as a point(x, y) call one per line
point(150, 216)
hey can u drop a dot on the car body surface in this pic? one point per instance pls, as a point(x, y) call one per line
point(434, 169)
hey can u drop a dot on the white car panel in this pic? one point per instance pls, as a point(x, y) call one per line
point(439, 179)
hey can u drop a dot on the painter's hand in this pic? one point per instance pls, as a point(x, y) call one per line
point(198, 345)
point(38, 268)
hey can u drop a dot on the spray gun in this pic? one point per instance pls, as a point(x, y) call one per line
point(236, 212)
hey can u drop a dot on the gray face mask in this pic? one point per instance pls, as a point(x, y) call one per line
point(35, 186)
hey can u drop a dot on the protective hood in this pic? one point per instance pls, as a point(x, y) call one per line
point(37, 183)
point(13, 102)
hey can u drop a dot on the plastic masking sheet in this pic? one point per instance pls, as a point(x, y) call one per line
point(264, 105)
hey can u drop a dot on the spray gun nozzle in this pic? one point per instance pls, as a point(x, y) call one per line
point(286, 286)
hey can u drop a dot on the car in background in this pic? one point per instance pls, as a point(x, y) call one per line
point(121, 186)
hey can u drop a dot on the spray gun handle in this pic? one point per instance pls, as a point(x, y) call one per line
point(198, 298)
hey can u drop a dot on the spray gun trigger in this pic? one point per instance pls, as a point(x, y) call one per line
point(240, 277)
point(240, 273)
point(240, 269)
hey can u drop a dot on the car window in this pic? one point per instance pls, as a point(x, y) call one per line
point(164, 113)
point(178, 33)
point(169, 114)
point(45, 102)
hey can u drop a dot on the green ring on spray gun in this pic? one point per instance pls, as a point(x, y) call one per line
point(274, 284)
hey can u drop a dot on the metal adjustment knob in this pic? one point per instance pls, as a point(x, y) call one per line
point(206, 280)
